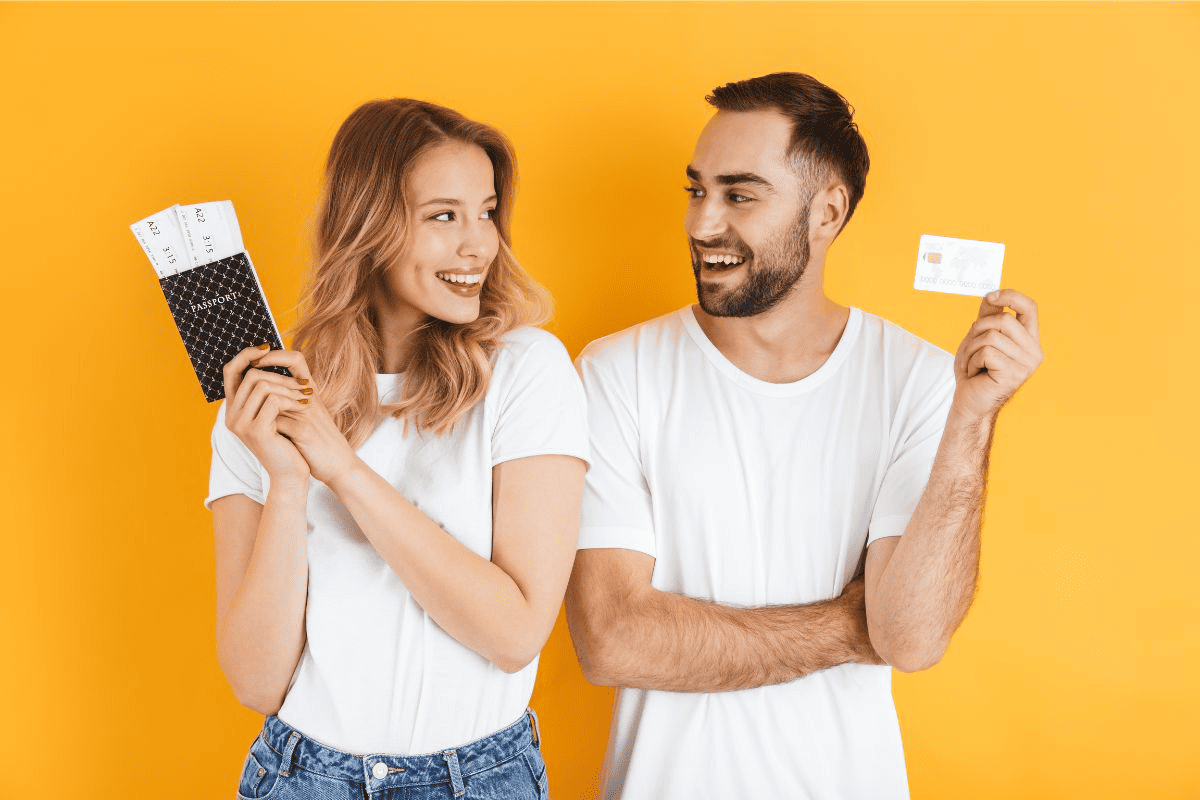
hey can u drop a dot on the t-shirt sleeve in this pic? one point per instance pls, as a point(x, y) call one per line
point(919, 423)
point(616, 497)
point(234, 469)
point(541, 409)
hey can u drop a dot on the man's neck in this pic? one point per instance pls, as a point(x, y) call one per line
point(785, 344)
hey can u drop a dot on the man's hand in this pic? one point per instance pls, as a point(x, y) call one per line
point(998, 355)
point(854, 600)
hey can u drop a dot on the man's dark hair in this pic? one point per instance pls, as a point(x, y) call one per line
point(823, 130)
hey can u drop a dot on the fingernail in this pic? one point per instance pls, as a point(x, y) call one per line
point(303, 381)
point(306, 391)
point(304, 402)
point(264, 347)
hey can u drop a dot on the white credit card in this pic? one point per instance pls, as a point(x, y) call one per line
point(958, 266)
point(162, 240)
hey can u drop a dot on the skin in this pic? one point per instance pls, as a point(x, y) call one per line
point(746, 191)
point(502, 609)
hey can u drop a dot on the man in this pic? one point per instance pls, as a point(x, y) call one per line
point(785, 494)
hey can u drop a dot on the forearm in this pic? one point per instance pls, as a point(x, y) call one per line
point(676, 643)
point(470, 597)
point(928, 584)
point(261, 634)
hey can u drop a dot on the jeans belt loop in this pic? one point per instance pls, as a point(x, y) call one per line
point(285, 764)
point(533, 728)
point(456, 781)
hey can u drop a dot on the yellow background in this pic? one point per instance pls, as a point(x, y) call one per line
point(1068, 132)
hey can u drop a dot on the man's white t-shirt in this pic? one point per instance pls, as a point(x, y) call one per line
point(750, 493)
point(377, 675)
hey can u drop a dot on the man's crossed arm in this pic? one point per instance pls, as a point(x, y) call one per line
point(628, 633)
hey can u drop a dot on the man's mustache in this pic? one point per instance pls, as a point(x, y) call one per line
point(729, 244)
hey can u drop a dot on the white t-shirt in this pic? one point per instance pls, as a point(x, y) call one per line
point(749, 494)
point(377, 675)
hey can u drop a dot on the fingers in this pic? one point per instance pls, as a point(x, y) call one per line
point(263, 398)
point(292, 359)
point(995, 361)
point(232, 372)
point(1022, 305)
point(996, 340)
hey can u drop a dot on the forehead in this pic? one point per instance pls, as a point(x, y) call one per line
point(452, 170)
point(744, 141)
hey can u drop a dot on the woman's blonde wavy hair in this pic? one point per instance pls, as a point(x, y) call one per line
point(361, 227)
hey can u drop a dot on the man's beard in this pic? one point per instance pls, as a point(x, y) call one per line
point(772, 273)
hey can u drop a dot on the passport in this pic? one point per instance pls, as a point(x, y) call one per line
point(214, 297)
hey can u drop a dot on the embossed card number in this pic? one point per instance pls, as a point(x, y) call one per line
point(958, 266)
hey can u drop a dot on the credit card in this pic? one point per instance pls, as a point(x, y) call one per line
point(958, 266)
point(162, 240)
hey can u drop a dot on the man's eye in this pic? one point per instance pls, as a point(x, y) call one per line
point(693, 191)
point(737, 199)
point(445, 216)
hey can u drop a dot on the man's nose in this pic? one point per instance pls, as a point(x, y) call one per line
point(705, 219)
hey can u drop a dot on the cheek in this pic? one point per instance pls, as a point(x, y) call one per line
point(493, 244)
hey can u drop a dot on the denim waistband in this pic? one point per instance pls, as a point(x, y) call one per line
point(385, 771)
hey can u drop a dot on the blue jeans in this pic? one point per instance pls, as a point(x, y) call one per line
point(284, 764)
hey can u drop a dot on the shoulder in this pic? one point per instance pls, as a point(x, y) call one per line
point(903, 351)
point(527, 346)
point(646, 340)
point(528, 357)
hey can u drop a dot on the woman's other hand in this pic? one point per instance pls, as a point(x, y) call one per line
point(254, 404)
point(308, 423)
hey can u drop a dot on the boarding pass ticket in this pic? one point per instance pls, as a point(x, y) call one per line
point(958, 266)
point(186, 236)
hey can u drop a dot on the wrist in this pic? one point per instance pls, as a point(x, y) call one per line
point(350, 474)
point(289, 490)
point(966, 418)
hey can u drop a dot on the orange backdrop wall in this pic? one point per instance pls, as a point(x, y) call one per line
point(1067, 132)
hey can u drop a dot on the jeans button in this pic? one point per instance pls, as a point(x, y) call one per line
point(380, 770)
point(262, 771)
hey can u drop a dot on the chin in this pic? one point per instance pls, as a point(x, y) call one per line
point(458, 316)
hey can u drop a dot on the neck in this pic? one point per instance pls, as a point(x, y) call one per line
point(396, 328)
point(787, 343)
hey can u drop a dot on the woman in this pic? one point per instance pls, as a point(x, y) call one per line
point(396, 522)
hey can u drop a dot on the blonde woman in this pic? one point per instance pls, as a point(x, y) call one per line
point(395, 524)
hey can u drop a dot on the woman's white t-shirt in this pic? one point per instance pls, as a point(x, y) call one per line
point(377, 675)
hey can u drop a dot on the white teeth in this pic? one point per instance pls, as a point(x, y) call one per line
point(725, 259)
point(455, 277)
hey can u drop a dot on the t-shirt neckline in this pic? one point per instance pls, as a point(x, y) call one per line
point(805, 384)
point(387, 383)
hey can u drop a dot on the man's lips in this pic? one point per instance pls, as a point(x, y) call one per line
point(720, 261)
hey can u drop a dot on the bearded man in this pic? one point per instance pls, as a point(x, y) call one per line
point(785, 493)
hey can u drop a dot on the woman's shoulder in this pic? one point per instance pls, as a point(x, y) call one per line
point(530, 345)
point(528, 357)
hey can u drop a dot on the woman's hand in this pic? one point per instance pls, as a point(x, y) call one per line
point(308, 424)
point(254, 404)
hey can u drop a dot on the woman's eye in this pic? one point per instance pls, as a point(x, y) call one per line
point(489, 214)
point(445, 216)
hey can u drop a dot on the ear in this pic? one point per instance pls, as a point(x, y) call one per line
point(830, 206)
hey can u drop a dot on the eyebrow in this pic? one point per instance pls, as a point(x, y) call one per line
point(734, 179)
point(450, 201)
